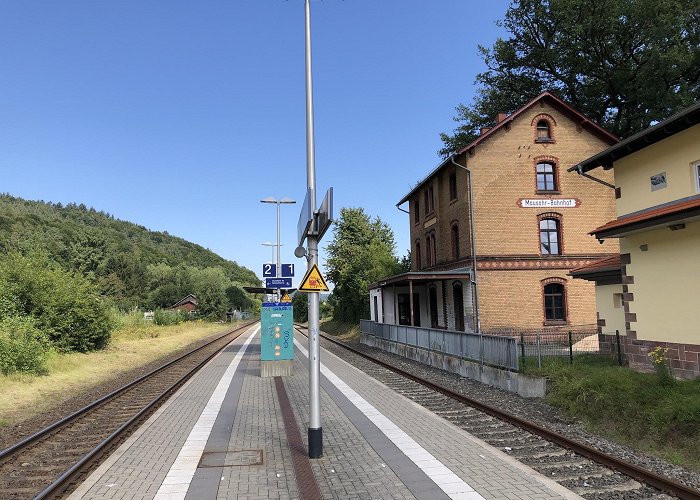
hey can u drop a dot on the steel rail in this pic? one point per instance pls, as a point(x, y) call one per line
point(36, 437)
point(657, 481)
point(75, 469)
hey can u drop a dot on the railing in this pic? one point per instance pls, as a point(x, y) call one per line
point(492, 350)
point(571, 347)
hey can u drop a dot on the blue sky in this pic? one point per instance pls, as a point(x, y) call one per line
point(181, 115)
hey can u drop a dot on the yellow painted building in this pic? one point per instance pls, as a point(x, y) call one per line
point(657, 180)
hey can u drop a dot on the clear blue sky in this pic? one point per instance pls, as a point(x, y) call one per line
point(181, 115)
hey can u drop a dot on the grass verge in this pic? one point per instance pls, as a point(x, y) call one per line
point(134, 344)
point(347, 332)
point(644, 411)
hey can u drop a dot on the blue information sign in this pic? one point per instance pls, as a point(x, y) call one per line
point(287, 270)
point(269, 270)
point(278, 282)
point(276, 331)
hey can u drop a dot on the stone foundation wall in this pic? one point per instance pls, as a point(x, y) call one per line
point(526, 386)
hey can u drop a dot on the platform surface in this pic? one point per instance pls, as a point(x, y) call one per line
point(223, 436)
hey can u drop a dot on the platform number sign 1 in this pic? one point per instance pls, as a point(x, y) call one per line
point(287, 270)
point(269, 270)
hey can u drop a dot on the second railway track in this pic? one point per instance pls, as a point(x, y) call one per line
point(51, 462)
point(579, 467)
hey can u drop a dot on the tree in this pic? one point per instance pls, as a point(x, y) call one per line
point(624, 63)
point(361, 252)
point(300, 306)
point(65, 306)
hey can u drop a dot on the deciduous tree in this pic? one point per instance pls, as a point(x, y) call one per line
point(624, 63)
point(361, 252)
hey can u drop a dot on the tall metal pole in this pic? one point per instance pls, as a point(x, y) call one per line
point(277, 267)
point(315, 431)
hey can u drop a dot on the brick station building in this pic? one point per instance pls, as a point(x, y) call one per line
point(530, 224)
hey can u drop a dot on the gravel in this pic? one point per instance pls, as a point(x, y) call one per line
point(538, 411)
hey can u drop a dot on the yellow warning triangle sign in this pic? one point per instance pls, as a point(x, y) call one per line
point(313, 281)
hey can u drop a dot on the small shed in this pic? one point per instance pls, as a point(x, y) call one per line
point(188, 303)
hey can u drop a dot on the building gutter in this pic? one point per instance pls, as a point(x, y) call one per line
point(473, 278)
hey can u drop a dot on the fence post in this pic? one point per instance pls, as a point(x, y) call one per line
point(571, 349)
point(619, 349)
point(539, 352)
point(522, 347)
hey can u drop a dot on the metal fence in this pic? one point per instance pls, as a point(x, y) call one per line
point(570, 347)
point(493, 350)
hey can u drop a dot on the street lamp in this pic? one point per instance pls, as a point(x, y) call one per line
point(272, 248)
point(283, 201)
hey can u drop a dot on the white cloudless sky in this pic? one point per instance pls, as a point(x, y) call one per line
point(181, 115)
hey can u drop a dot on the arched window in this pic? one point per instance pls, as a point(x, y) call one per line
point(546, 176)
point(418, 256)
point(550, 237)
point(428, 253)
point(454, 232)
point(554, 302)
point(544, 133)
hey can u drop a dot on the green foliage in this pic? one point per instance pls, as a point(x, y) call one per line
point(23, 347)
point(300, 306)
point(166, 317)
point(624, 63)
point(361, 252)
point(639, 409)
point(67, 307)
point(128, 263)
point(325, 309)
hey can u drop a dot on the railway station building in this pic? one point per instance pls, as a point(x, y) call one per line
point(651, 290)
point(496, 250)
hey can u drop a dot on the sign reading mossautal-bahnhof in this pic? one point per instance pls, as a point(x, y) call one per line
point(276, 331)
point(549, 203)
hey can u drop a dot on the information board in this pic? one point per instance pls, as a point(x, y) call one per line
point(276, 331)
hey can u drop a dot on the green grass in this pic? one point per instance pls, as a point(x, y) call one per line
point(348, 332)
point(644, 411)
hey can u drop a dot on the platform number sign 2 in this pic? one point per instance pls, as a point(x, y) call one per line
point(269, 270)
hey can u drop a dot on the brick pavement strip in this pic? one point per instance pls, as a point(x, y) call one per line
point(466, 456)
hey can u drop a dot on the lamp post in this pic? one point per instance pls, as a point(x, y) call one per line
point(315, 431)
point(283, 201)
point(272, 248)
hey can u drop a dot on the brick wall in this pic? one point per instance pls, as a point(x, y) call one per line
point(506, 235)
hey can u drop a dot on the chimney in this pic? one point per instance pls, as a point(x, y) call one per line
point(500, 117)
point(484, 130)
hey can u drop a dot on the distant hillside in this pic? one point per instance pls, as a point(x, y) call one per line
point(132, 265)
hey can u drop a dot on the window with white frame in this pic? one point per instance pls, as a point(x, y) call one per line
point(696, 175)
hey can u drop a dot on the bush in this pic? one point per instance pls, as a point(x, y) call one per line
point(23, 348)
point(66, 306)
point(165, 317)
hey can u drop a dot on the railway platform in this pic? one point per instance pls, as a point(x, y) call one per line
point(230, 434)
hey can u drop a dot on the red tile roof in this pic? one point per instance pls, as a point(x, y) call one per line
point(582, 119)
point(677, 208)
point(608, 264)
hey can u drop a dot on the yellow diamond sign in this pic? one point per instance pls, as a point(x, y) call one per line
point(313, 281)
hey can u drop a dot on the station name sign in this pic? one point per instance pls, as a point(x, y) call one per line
point(549, 203)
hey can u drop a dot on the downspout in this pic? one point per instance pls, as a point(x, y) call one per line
point(579, 171)
point(474, 278)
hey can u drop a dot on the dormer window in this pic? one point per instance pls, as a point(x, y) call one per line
point(543, 127)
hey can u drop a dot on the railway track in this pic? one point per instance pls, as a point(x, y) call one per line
point(53, 461)
point(579, 467)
